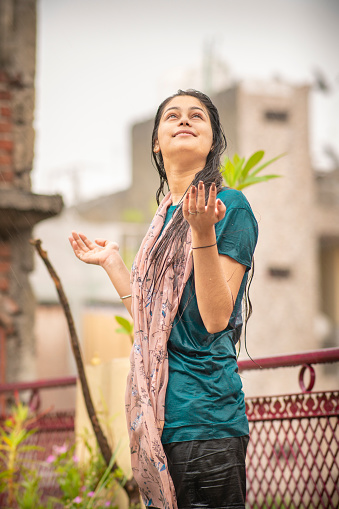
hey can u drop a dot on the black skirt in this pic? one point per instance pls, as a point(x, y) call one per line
point(209, 473)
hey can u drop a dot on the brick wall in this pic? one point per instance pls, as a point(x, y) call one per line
point(20, 209)
point(5, 257)
point(6, 131)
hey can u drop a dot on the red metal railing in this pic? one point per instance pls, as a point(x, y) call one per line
point(293, 454)
point(34, 388)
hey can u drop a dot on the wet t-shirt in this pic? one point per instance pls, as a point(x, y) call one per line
point(204, 398)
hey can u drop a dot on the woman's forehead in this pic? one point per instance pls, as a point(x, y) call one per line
point(189, 101)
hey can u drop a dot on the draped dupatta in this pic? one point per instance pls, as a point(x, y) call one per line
point(153, 311)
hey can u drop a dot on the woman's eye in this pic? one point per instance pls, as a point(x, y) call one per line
point(197, 115)
point(171, 115)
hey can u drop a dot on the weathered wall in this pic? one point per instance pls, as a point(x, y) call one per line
point(285, 289)
point(19, 208)
point(17, 71)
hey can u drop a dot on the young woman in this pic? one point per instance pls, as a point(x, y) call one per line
point(184, 401)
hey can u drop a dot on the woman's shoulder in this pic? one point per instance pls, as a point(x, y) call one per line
point(233, 198)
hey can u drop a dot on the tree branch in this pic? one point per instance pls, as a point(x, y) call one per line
point(130, 486)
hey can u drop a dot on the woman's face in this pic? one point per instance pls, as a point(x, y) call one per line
point(184, 130)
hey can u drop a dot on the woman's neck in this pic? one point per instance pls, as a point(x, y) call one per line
point(179, 180)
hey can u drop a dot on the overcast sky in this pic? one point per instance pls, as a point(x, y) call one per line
point(104, 64)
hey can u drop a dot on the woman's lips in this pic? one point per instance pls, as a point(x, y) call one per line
point(184, 133)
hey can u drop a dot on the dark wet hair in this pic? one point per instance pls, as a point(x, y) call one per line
point(175, 235)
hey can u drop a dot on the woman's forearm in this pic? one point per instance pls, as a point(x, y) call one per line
point(120, 277)
point(215, 294)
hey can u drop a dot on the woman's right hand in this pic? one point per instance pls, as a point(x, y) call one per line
point(99, 253)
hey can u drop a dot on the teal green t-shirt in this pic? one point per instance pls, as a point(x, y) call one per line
point(204, 398)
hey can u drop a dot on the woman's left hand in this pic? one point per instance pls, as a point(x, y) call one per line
point(200, 216)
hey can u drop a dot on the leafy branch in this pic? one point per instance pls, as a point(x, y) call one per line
point(240, 173)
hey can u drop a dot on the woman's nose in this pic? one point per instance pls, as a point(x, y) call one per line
point(184, 121)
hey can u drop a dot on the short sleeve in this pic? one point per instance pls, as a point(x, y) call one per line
point(237, 235)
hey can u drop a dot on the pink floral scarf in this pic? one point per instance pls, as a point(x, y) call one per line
point(147, 381)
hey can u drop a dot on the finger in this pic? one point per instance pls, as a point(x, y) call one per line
point(72, 242)
point(88, 243)
point(192, 205)
point(79, 242)
point(77, 251)
point(101, 242)
point(211, 203)
point(185, 205)
point(201, 198)
point(220, 209)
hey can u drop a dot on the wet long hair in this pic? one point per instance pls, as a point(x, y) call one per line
point(176, 234)
point(174, 237)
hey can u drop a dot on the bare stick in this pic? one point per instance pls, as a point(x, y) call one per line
point(130, 486)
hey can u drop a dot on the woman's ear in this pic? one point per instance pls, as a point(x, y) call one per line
point(156, 147)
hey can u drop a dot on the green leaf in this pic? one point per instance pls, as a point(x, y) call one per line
point(120, 331)
point(104, 478)
point(228, 172)
point(255, 180)
point(26, 448)
point(125, 324)
point(236, 159)
point(7, 441)
point(238, 170)
point(252, 161)
point(6, 473)
point(257, 170)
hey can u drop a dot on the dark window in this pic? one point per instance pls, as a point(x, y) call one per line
point(276, 116)
point(279, 272)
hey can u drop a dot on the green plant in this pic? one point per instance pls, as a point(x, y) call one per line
point(29, 495)
point(87, 485)
point(126, 327)
point(13, 437)
point(239, 173)
point(84, 485)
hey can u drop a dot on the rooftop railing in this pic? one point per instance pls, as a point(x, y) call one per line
point(293, 453)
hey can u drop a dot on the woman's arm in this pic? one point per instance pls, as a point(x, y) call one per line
point(106, 254)
point(217, 277)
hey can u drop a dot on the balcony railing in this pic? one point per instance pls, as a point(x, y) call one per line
point(293, 453)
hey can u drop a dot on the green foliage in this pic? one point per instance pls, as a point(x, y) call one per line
point(29, 495)
point(13, 438)
point(126, 327)
point(239, 173)
point(89, 485)
point(83, 485)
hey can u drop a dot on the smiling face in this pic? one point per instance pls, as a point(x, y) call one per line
point(184, 131)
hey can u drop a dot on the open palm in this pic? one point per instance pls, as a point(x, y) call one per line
point(96, 253)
